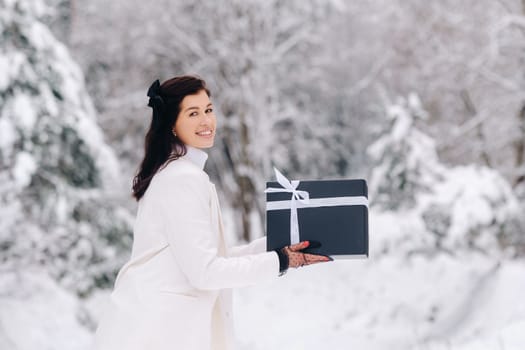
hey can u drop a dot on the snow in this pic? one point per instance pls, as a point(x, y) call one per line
point(10, 66)
point(423, 287)
point(385, 302)
point(462, 207)
point(26, 114)
point(477, 200)
point(4, 65)
point(7, 135)
point(24, 168)
point(56, 168)
point(37, 314)
point(388, 301)
point(36, 8)
point(103, 154)
point(465, 301)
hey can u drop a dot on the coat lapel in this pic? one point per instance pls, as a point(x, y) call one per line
point(217, 220)
point(222, 327)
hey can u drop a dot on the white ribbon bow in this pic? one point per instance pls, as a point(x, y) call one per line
point(302, 196)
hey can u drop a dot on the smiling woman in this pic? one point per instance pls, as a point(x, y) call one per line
point(175, 291)
point(196, 123)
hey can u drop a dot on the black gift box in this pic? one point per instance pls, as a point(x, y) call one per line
point(342, 229)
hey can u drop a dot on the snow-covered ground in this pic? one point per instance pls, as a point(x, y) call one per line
point(388, 301)
point(392, 300)
point(35, 313)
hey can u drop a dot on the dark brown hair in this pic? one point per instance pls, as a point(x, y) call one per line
point(161, 146)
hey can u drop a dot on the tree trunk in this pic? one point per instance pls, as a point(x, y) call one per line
point(246, 185)
point(472, 111)
point(520, 147)
point(520, 142)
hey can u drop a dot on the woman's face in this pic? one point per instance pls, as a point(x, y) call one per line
point(196, 122)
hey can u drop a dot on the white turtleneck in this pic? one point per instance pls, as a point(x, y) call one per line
point(196, 155)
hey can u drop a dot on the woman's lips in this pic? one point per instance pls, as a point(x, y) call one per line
point(205, 133)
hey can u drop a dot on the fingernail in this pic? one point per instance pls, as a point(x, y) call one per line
point(306, 243)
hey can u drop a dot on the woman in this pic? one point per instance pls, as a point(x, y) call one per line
point(175, 291)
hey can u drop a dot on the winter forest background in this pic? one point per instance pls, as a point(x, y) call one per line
point(424, 99)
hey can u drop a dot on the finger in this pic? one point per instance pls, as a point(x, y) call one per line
point(298, 246)
point(297, 260)
point(315, 258)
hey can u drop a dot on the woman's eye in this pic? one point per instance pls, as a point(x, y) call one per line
point(193, 114)
point(209, 110)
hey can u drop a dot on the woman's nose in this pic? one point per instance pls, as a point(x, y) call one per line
point(206, 119)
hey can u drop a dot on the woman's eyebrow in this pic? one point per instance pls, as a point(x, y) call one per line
point(194, 107)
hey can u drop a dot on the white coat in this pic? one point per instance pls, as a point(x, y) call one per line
point(175, 291)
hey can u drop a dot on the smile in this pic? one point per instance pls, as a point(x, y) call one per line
point(205, 133)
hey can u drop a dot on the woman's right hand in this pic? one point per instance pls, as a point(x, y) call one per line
point(292, 256)
point(296, 258)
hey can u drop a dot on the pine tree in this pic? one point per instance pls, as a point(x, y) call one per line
point(405, 159)
point(55, 167)
point(463, 207)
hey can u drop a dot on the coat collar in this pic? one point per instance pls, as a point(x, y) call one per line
point(196, 155)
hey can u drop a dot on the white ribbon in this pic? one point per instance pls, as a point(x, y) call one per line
point(320, 202)
point(301, 196)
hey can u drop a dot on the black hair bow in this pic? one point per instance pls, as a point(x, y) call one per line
point(157, 103)
point(155, 100)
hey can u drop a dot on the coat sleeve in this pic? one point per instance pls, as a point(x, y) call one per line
point(256, 246)
point(184, 206)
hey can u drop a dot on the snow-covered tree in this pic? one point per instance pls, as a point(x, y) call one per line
point(465, 60)
point(55, 168)
point(326, 64)
point(251, 53)
point(261, 60)
point(475, 207)
point(463, 207)
point(405, 158)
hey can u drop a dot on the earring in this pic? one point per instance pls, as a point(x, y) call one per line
point(174, 133)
